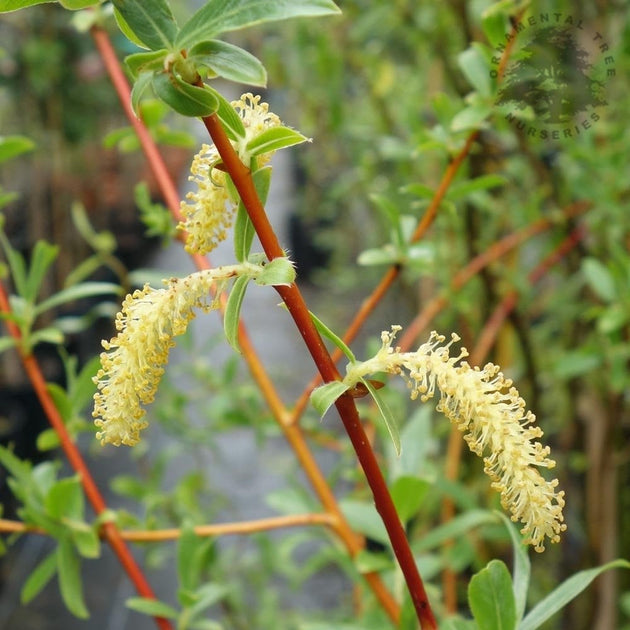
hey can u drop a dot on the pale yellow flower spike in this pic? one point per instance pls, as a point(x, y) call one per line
point(208, 211)
point(488, 409)
point(131, 367)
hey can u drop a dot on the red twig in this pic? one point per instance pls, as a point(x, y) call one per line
point(109, 530)
point(292, 297)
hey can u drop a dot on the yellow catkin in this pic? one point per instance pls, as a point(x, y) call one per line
point(132, 364)
point(208, 211)
point(485, 406)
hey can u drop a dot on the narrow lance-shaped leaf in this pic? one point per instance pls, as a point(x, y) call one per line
point(323, 397)
point(37, 580)
point(564, 593)
point(12, 146)
point(151, 607)
point(233, 311)
point(150, 20)
point(521, 569)
point(273, 139)
point(229, 61)
point(44, 254)
point(70, 583)
point(243, 227)
point(231, 121)
point(386, 414)
point(77, 292)
point(220, 16)
point(326, 332)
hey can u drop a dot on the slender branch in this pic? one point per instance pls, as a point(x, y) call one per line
point(292, 297)
point(204, 531)
point(109, 529)
point(353, 542)
point(491, 254)
point(371, 302)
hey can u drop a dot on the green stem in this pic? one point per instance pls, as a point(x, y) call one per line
point(292, 297)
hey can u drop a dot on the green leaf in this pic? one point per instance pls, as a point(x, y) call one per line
point(145, 62)
point(474, 67)
point(233, 311)
point(151, 607)
point(85, 539)
point(77, 292)
point(75, 5)
point(599, 279)
point(324, 396)
point(485, 182)
point(14, 5)
point(613, 318)
point(491, 598)
point(70, 584)
point(522, 567)
point(364, 519)
point(6, 343)
point(187, 546)
point(494, 21)
point(220, 16)
point(564, 593)
point(232, 122)
point(48, 440)
point(43, 256)
point(65, 500)
point(139, 88)
point(386, 255)
point(16, 264)
point(208, 595)
point(471, 117)
point(367, 562)
point(274, 138)
point(453, 529)
point(408, 494)
point(229, 61)
point(386, 415)
point(326, 332)
point(37, 580)
point(46, 335)
point(184, 98)
point(151, 21)
point(12, 146)
point(277, 272)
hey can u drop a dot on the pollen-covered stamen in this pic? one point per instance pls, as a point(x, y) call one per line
point(131, 366)
point(208, 210)
point(484, 405)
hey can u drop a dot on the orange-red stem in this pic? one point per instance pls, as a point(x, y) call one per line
point(109, 530)
point(292, 297)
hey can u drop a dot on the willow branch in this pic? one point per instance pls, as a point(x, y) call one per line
point(292, 297)
point(371, 302)
point(109, 530)
point(352, 542)
point(493, 253)
point(203, 531)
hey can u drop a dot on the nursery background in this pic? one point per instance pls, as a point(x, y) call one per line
point(467, 171)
